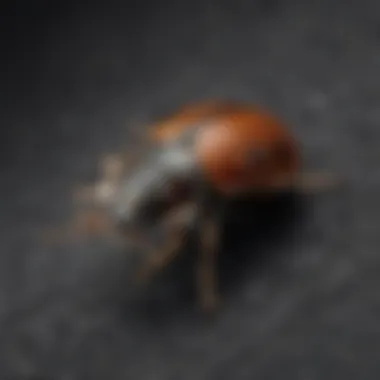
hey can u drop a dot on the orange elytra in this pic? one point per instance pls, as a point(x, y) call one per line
point(240, 148)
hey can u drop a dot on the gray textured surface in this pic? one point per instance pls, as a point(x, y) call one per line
point(75, 79)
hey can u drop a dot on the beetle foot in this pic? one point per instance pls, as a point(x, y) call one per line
point(210, 303)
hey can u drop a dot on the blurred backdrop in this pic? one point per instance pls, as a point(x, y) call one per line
point(300, 282)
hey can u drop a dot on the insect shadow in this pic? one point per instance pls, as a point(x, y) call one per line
point(254, 234)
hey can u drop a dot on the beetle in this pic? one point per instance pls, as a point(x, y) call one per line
point(200, 158)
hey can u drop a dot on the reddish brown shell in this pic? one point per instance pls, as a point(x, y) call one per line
point(170, 127)
point(239, 147)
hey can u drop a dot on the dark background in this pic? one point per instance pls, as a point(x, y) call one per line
point(300, 287)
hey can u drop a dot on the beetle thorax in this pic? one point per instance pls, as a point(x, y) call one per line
point(161, 182)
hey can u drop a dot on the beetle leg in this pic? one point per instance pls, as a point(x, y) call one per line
point(85, 223)
point(112, 166)
point(307, 183)
point(317, 182)
point(99, 194)
point(206, 270)
point(160, 259)
point(102, 191)
point(178, 223)
point(111, 169)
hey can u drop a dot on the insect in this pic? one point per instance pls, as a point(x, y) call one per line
point(200, 159)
